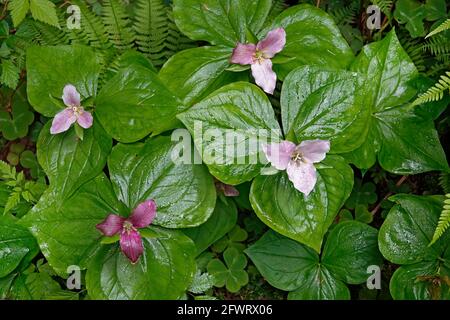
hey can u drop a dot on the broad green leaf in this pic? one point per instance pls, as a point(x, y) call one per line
point(408, 229)
point(312, 37)
point(10, 74)
point(39, 286)
point(198, 72)
point(291, 266)
point(232, 273)
point(15, 125)
point(305, 219)
point(45, 11)
point(388, 70)
point(184, 193)
point(321, 285)
point(49, 69)
point(19, 9)
point(436, 9)
point(411, 13)
point(222, 220)
point(351, 247)
point(135, 103)
point(402, 150)
point(284, 263)
point(221, 22)
point(16, 244)
point(320, 104)
point(229, 127)
point(164, 271)
point(392, 126)
point(418, 282)
point(68, 161)
point(66, 230)
point(5, 285)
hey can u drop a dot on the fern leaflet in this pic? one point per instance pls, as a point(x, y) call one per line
point(442, 27)
point(117, 24)
point(444, 220)
point(436, 92)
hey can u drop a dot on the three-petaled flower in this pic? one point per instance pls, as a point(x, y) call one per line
point(73, 113)
point(259, 57)
point(130, 238)
point(298, 161)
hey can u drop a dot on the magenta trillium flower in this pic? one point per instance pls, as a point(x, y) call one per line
point(226, 189)
point(130, 238)
point(298, 161)
point(259, 57)
point(73, 113)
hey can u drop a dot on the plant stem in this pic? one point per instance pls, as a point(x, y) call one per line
point(398, 184)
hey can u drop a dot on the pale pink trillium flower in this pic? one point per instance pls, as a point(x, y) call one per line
point(226, 189)
point(130, 238)
point(298, 161)
point(73, 113)
point(259, 57)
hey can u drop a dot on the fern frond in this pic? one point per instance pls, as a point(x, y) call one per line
point(436, 69)
point(151, 28)
point(385, 6)
point(442, 27)
point(436, 92)
point(414, 50)
point(47, 35)
point(117, 24)
point(278, 6)
point(444, 181)
point(175, 40)
point(345, 15)
point(92, 32)
point(444, 220)
point(437, 45)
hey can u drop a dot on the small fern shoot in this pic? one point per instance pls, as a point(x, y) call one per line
point(436, 92)
point(444, 220)
point(442, 27)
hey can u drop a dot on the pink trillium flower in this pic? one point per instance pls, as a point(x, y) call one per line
point(259, 57)
point(298, 161)
point(73, 113)
point(226, 189)
point(130, 238)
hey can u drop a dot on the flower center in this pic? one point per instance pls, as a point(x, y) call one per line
point(77, 111)
point(259, 56)
point(128, 227)
point(297, 156)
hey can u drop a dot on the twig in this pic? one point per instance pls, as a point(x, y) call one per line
point(398, 184)
point(318, 3)
point(5, 7)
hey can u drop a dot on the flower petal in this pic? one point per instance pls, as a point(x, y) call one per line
point(144, 214)
point(230, 191)
point(131, 245)
point(303, 176)
point(62, 121)
point(264, 75)
point(279, 154)
point(111, 225)
point(71, 97)
point(314, 150)
point(226, 189)
point(243, 53)
point(85, 119)
point(273, 43)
